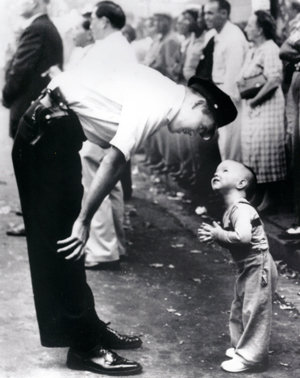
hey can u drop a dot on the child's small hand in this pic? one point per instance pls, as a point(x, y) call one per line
point(208, 233)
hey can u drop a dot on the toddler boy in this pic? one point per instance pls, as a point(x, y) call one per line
point(243, 234)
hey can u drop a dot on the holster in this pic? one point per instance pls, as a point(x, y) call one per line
point(42, 118)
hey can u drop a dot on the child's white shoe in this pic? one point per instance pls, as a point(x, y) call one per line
point(230, 352)
point(235, 365)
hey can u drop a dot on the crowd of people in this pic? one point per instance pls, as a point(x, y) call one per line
point(76, 127)
point(205, 42)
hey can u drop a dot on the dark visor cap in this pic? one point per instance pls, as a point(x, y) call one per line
point(218, 101)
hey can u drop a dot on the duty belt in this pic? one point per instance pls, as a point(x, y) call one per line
point(42, 115)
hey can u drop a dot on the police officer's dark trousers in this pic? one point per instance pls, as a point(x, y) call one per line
point(48, 175)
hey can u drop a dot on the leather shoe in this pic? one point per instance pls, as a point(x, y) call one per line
point(113, 340)
point(17, 231)
point(102, 361)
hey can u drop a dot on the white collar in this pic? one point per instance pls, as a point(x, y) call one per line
point(114, 36)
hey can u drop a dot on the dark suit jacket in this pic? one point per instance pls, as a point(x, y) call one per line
point(205, 64)
point(40, 47)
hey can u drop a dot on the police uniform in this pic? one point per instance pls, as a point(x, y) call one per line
point(48, 172)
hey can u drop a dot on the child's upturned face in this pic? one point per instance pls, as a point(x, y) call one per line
point(227, 176)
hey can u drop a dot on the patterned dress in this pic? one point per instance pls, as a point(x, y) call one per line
point(263, 134)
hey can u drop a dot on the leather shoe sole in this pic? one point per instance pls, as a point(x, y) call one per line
point(102, 361)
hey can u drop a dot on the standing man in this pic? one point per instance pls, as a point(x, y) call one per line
point(230, 47)
point(48, 172)
point(106, 243)
point(39, 48)
point(119, 108)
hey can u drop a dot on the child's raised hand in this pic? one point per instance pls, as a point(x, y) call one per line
point(208, 233)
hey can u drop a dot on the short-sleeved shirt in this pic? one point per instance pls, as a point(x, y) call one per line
point(121, 106)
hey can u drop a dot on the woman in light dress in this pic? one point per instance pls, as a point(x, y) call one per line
point(263, 133)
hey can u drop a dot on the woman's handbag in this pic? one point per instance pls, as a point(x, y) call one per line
point(249, 87)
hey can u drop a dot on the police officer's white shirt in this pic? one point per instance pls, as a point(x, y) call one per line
point(119, 102)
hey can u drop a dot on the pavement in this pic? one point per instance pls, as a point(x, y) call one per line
point(286, 252)
point(172, 291)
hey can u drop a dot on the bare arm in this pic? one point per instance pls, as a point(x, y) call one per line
point(241, 235)
point(106, 178)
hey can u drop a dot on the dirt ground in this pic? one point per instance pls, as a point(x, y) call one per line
point(172, 291)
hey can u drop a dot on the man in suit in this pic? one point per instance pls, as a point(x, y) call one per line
point(39, 48)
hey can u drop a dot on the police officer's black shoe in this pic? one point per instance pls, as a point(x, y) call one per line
point(102, 361)
point(113, 340)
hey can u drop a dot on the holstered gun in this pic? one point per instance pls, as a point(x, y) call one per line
point(42, 115)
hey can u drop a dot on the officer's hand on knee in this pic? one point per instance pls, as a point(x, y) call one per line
point(72, 248)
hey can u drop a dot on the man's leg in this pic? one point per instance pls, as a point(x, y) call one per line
point(49, 181)
point(50, 190)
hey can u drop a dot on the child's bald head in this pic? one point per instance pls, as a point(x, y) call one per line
point(231, 174)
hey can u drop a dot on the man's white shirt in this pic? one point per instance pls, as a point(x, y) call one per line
point(118, 101)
